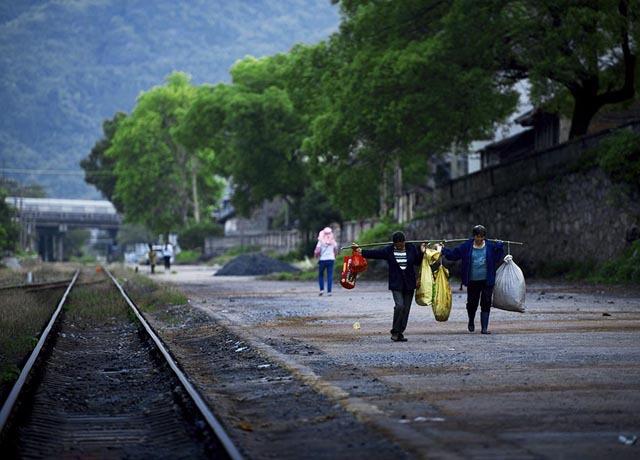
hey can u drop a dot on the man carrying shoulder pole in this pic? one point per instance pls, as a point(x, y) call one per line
point(401, 258)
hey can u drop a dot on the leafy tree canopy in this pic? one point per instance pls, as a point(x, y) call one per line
point(14, 188)
point(155, 174)
point(391, 101)
point(8, 229)
point(398, 84)
point(579, 55)
point(98, 167)
point(255, 131)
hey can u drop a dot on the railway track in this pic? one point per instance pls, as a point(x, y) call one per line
point(100, 383)
point(48, 285)
point(44, 286)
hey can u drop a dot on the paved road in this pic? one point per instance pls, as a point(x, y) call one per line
point(560, 381)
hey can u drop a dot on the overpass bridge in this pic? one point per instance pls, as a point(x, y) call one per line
point(45, 221)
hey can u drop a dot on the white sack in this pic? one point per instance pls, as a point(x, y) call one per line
point(509, 290)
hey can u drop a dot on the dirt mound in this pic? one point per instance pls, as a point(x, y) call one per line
point(254, 264)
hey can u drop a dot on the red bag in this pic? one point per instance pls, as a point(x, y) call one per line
point(359, 263)
point(348, 276)
point(351, 266)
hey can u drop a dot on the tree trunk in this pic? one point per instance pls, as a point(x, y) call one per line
point(586, 97)
point(194, 190)
point(397, 190)
point(383, 195)
point(397, 178)
point(584, 109)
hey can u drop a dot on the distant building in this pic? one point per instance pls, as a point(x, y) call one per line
point(545, 130)
point(548, 130)
point(263, 219)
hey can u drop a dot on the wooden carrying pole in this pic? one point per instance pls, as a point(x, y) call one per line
point(458, 240)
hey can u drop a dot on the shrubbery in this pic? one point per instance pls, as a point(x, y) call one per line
point(187, 257)
point(192, 236)
point(619, 156)
point(622, 270)
point(9, 231)
point(382, 231)
point(625, 269)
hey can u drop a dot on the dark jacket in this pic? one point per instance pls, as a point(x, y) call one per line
point(399, 280)
point(495, 254)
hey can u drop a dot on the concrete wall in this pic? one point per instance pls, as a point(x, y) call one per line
point(285, 241)
point(562, 210)
point(280, 241)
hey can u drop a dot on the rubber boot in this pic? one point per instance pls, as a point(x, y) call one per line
point(472, 318)
point(484, 322)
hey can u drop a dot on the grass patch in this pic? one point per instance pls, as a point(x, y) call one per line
point(625, 269)
point(622, 270)
point(161, 297)
point(309, 275)
point(40, 273)
point(84, 259)
point(23, 316)
point(99, 302)
point(376, 269)
point(382, 231)
point(187, 257)
point(9, 373)
point(148, 295)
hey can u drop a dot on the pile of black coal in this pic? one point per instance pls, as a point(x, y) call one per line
point(254, 264)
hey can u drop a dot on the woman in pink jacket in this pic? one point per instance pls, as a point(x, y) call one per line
point(326, 250)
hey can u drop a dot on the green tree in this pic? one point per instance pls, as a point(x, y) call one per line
point(192, 236)
point(8, 229)
point(14, 188)
point(255, 132)
point(580, 51)
point(160, 182)
point(389, 103)
point(135, 233)
point(74, 242)
point(315, 212)
point(98, 167)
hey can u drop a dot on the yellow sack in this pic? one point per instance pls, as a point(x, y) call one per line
point(424, 292)
point(442, 295)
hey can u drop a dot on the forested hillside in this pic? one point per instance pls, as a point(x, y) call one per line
point(66, 66)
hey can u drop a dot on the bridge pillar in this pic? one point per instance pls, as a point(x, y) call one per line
point(59, 247)
point(51, 244)
point(45, 245)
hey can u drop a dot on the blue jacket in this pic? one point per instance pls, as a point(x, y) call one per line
point(399, 280)
point(495, 254)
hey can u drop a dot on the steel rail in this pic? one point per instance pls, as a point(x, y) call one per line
point(50, 284)
point(215, 425)
point(9, 403)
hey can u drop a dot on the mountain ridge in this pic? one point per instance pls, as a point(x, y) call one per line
point(66, 66)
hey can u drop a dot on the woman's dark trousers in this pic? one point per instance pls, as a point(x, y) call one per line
point(402, 300)
point(478, 291)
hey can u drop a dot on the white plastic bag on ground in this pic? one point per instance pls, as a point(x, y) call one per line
point(509, 290)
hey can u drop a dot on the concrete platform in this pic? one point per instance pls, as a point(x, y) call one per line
point(559, 381)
